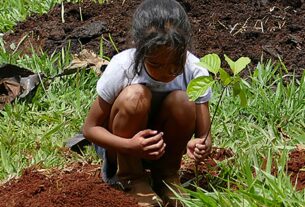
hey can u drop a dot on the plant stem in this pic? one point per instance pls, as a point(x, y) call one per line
point(216, 109)
point(217, 106)
point(196, 174)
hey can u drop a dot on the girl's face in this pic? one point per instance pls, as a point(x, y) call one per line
point(163, 64)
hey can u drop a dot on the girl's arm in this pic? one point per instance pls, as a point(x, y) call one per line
point(200, 147)
point(94, 131)
point(138, 145)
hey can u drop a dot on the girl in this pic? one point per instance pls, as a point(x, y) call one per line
point(142, 118)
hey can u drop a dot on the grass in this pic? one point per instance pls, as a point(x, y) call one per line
point(12, 11)
point(33, 131)
point(17, 10)
point(271, 125)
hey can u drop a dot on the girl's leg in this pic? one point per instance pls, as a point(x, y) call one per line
point(129, 115)
point(177, 120)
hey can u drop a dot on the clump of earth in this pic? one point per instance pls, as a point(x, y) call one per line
point(259, 29)
point(80, 184)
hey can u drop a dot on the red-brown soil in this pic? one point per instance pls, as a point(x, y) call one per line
point(268, 28)
point(80, 184)
point(208, 171)
point(296, 168)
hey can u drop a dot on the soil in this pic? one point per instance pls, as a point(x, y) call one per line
point(77, 185)
point(80, 184)
point(257, 29)
point(296, 168)
point(208, 171)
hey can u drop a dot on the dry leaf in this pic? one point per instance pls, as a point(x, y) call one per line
point(9, 90)
point(300, 147)
point(85, 59)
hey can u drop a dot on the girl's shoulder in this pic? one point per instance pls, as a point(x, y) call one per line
point(192, 67)
point(120, 63)
point(125, 57)
point(191, 61)
point(191, 58)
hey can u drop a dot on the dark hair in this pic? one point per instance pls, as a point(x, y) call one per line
point(156, 23)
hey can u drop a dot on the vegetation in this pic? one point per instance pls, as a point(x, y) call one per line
point(33, 132)
point(258, 133)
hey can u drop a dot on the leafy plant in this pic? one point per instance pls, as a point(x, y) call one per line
point(200, 85)
point(212, 62)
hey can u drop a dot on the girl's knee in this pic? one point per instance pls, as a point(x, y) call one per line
point(134, 99)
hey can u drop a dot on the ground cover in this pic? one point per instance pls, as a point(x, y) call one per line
point(79, 184)
point(247, 28)
point(261, 136)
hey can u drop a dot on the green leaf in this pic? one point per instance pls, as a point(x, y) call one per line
point(211, 62)
point(54, 130)
point(235, 79)
point(6, 163)
point(245, 83)
point(236, 89)
point(239, 65)
point(200, 196)
point(243, 98)
point(269, 162)
point(224, 77)
point(198, 86)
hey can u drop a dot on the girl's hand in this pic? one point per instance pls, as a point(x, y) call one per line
point(198, 149)
point(147, 144)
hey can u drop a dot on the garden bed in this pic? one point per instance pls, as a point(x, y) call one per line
point(80, 184)
point(237, 28)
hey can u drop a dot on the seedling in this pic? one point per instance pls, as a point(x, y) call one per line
point(200, 85)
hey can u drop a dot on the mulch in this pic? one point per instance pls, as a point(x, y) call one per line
point(269, 29)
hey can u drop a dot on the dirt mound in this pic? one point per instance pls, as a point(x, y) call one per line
point(271, 29)
point(296, 168)
point(80, 184)
point(209, 170)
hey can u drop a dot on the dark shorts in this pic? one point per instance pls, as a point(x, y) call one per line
point(109, 169)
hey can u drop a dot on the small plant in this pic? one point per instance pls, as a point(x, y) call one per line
point(200, 85)
point(212, 62)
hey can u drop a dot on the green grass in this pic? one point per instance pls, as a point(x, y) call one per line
point(12, 11)
point(17, 10)
point(33, 131)
point(253, 134)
